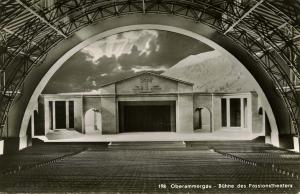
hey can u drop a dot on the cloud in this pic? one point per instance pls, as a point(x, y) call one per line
point(162, 52)
point(148, 68)
point(120, 56)
point(119, 44)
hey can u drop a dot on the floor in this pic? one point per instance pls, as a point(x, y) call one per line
point(226, 167)
point(220, 135)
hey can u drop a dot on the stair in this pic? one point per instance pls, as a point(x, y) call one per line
point(146, 144)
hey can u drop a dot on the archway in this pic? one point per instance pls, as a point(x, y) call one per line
point(92, 121)
point(106, 28)
point(259, 37)
point(202, 119)
point(190, 30)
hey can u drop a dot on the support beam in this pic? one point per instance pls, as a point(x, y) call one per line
point(245, 15)
point(41, 18)
point(33, 58)
point(2, 80)
point(259, 53)
point(282, 43)
point(17, 35)
point(116, 7)
point(270, 32)
point(288, 89)
point(144, 7)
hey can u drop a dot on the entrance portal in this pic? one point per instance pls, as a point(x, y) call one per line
point(146, 116)
point(93, 121)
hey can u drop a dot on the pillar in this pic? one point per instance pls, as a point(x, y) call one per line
point(242, 113)
point(228, 112)
point(1, 147)
point(67, 115)
point(296, 141)
point(32, 123)
point(53, 115)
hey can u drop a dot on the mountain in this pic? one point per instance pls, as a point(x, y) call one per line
point(213, 72)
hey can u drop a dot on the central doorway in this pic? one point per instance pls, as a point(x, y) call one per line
point(145, 116)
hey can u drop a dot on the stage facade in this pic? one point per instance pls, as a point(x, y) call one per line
point(149, 102)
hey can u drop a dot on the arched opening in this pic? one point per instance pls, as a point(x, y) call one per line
point(127, 28)
point(202, 119)
point(93, 121)
point(256, 32)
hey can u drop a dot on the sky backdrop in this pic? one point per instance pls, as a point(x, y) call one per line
point(122, 55)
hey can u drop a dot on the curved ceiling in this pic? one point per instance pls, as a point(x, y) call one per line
point(268, 29)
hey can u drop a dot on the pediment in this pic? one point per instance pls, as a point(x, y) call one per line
point(149, 83)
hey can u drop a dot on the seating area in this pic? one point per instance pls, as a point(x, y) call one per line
point(284, 161)
point(94, 168)
point(38, 154)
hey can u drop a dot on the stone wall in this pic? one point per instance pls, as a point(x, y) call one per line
point(109, 115)
point(184, 114)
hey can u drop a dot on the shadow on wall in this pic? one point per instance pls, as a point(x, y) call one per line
point(93, 121)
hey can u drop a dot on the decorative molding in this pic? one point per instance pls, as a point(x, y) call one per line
point(146, 85)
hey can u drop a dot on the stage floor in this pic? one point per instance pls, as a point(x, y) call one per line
point(220, 135)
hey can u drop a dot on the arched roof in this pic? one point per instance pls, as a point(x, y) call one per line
point(268, 29)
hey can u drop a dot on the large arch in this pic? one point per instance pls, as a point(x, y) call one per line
point(247, 29)
point(113, 28)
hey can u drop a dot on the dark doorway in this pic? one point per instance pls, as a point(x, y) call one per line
point(60, 114)
point(145, 117)
point(71, 114)
point(51, 115)
point(235, 112)
point(224, 112)
point(36, 123)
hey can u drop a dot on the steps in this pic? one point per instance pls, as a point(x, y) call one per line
point(146, 144)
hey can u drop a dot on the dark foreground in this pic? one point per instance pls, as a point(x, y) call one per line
point(227, 167)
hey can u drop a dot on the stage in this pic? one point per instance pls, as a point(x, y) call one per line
point(63, 135)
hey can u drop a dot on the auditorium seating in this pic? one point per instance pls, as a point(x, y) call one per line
point(35, 155)
point(281, 160)
point(94, 168)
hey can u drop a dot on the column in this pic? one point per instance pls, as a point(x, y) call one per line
point(67, 115)
point(213, 114)
point(47, 118)
point(53, 115)
point(32, 124)
point(246, 113)
point(264, 121)
point(228, 111)
point(242, 113)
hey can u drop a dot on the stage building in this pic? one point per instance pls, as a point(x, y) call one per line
point(149, 102)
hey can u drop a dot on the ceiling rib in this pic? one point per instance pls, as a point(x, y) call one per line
point(144, 7)
point(267, 29)
point(245, 15)
point(42, 18)
point(17, 35)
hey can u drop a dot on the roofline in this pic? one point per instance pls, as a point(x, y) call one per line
point(147, 72)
